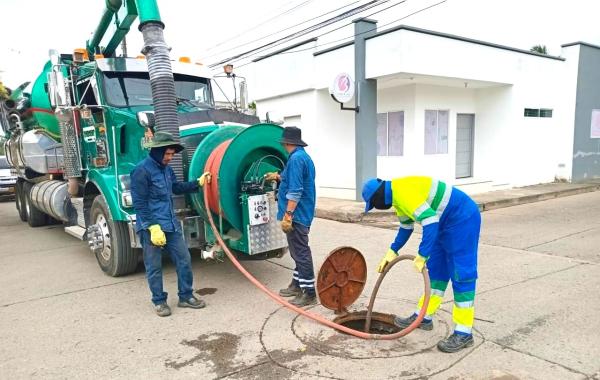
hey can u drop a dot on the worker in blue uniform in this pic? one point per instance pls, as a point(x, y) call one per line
point(296, 210)
point(451, 224)
point(152, 184)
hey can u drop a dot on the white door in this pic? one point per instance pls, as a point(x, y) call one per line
point(465, 132)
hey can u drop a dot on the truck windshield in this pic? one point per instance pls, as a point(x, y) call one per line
point(127, 89)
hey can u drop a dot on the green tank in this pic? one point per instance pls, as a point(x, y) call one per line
point(40, 104)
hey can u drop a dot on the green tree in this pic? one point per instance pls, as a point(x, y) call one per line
point(541, 49)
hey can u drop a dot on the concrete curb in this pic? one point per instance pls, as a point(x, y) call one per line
point(519, 200)
point(353, 212)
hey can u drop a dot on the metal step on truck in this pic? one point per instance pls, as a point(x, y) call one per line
point(73, 136)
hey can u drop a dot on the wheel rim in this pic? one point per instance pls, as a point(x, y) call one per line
point(106, 247)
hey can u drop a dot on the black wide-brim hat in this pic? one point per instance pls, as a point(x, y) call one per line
point(292, 135)
point(161, 139)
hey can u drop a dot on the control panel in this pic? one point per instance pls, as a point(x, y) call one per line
point(258, 209)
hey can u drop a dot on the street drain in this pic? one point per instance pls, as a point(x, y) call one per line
point(380, 323)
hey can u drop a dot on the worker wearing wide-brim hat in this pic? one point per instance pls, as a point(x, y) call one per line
point(152, 184)
point(451, 223)
point(296, 210)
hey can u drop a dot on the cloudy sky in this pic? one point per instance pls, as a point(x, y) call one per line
point(211, 30)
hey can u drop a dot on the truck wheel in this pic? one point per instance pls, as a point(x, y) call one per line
point(113, 247)
point(19, 202)
point(35, 218)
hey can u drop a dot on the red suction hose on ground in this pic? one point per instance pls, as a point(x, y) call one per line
point(316, 317)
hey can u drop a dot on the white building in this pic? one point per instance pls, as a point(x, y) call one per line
point(475, 114)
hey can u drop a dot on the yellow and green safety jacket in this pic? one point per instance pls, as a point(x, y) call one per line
point(422, 200)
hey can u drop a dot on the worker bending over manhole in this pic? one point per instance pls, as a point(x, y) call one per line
point(451, 223)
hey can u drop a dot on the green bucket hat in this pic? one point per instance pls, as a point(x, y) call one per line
point(164, 139)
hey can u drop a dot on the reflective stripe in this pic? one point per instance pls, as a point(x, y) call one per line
point(407, 226)
point(405, 219)
point(464, 304)
point(421, 209)
point(444, 201)
point(433, 191)
point(307, 285)
point(463, 316)
point(463, 329)
point(430, 220)
point(302, 280)
point(436, 292)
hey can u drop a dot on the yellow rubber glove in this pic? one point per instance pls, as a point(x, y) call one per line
point(204, 179)
point(272, 176)
point(157, 236)
point(286, 224)
point(419, 263)
point(390, 255)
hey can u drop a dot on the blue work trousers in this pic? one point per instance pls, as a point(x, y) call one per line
point(180, 255)
point(304, 273)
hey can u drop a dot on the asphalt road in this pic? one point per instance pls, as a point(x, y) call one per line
point(536, 307)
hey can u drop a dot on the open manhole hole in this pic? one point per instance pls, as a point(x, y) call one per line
point(380, 323)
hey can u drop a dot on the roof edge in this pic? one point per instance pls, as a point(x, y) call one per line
point(464, 39)
point(580, 43)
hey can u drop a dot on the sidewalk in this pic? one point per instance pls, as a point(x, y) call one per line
point(349, 211)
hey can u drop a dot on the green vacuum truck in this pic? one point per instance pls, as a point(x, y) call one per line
point(75, 134)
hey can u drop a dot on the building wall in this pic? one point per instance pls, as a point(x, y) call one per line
point(509, 148)
point(329, 134)
point(586, 150)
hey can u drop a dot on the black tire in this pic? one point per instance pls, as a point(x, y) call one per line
point(35, 218)
point(19, 201)
point(117, 258)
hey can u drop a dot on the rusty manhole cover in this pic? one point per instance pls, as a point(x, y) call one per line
point(341, 278)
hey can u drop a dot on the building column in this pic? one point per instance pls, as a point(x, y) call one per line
point(365, 120)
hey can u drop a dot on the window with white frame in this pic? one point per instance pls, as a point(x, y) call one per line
point(436, 131)
point(390, 133)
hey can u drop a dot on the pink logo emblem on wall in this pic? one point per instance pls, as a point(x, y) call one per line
point(342, 88)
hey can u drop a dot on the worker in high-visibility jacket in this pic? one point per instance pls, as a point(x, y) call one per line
point(451, 222)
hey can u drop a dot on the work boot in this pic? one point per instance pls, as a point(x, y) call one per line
point(405, 322)
point(192, 302)
point(291, 291)
point(455, 342)
point(162, 310)
point(304, 299)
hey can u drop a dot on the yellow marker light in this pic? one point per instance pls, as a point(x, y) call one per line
point(98, 56)
point(80, 55)
point(185, 60)
point(141, 57)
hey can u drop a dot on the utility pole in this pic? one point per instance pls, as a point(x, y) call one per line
point(365, 120)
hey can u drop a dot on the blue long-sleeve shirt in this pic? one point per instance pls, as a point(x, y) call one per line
point(298, 184)
point(152, 185)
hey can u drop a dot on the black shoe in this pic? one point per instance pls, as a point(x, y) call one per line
point(162, 310)
point(405, 322)
point(304, 299)
point(291, 291)
point(455, 342)
point(192, 302)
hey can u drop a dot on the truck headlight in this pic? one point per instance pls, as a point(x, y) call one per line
point(126, 199)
